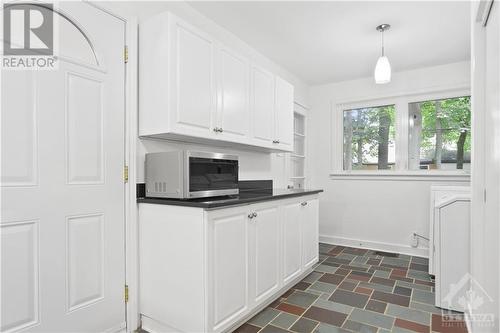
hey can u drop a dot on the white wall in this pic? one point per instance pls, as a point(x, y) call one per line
point(253, 165)
point(380, 214)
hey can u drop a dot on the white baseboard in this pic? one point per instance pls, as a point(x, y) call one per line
point(378, 246)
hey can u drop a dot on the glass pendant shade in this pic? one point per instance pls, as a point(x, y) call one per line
point(383, 71)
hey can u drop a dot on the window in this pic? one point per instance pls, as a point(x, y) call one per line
point(369, 138)
point(439, 134)
point(406, 135)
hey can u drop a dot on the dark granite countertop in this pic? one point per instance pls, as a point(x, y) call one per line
point(245, 197)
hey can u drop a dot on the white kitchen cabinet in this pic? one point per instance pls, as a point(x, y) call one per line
point(228, 264)
point(211, 270)
point(292, 241)
point(284, 114)
point(309, 223)
point(265, 256)
point(233, 114)
point(262, 106)
point(194, 88)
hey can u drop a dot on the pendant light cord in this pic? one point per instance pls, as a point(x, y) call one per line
point(382, 43)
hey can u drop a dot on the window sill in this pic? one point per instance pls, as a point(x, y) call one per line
point(403, 175)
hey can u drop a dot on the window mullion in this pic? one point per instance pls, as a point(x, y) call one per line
point(402, 134)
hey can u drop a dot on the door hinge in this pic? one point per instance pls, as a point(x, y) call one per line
point(125, 173)
point(125, 54)
point(126, 293)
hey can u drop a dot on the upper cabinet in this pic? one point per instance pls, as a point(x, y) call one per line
point(194, 88)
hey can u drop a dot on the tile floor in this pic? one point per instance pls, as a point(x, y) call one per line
point(357, 290)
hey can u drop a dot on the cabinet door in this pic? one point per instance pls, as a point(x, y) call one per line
point(284, 114)
point(233, 96)
point(292, 253)
point(228, 266)
point(192, 92)
point(262, 106)
point(265, 251)
point(309, 219)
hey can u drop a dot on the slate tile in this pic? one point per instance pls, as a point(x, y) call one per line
point(273, 329)
point(441, 324)
point(346, 256)
point(425, 283)
point(423, 297)
point(290, 308)
point(342, 271)
point(325, 268)
point(313, 277)
point(399, 272)
point(419, 267)
point(247, 328)
point(363, 290)
point(386, 254)
point(348, 285)
point(401, 278)
point(337, 260)
point(349, 298)
point(304, 325)
point(382, 274)
point(355, 268)
point(359, 327)
point(323, 287)
point(409, 314)
point(264, 317)
point(411, 326)
point(361, 276)
point(301, 298)
point(371, 318)
point(391, 298)
point(355, 251)
point(379, 287)
point(336, 250)
point(426, 307)
point(302, 285)
point(423, 276)
point(381, 268)
point(325, 328)
point(382, 281)
point(373, 261)
point(334, 306)
point(402, 291)
point(413, 285)
point(360, 260)
point(284, 320)
point(325, 316)
point(420, 260)
point(332, 278)
point(376, 306)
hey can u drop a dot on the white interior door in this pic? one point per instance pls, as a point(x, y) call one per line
point(62, 218)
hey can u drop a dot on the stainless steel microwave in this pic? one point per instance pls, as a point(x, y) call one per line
point(187, 174)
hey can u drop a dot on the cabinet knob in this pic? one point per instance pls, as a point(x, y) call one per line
point(216, 129)
point(221, 130)
point(304, 203)
point(250, 216)
point(254, 214)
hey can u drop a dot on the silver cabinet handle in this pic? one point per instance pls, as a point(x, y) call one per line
point(221, 130)
point(276, 141)
point(216, 129)
point(304, 203)
point(254, 214)
point(250, 216)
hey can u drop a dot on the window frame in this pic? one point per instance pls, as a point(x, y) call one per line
point(401, 125)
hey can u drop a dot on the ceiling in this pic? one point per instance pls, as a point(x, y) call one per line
point(334, 41)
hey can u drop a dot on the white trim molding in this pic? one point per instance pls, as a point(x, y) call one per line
point(417, 175)
point(377, 246)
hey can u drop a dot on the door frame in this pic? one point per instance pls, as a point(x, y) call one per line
point(130, 43)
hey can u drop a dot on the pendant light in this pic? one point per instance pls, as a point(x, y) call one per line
point(383, 67)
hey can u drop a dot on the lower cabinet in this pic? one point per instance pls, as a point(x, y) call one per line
point(249, 255)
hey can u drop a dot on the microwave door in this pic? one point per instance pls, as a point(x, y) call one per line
point(210, 176)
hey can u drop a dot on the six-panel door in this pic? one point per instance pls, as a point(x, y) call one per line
point(228, 265)
point(265, 251)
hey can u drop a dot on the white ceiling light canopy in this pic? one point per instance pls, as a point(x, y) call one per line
point(383, 67)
